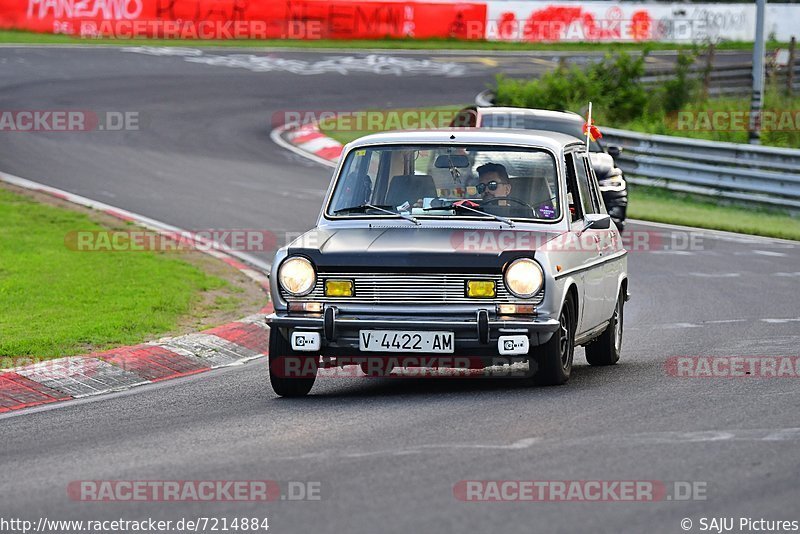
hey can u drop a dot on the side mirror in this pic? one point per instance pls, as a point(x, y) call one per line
point(597, 221)
point(614, 150)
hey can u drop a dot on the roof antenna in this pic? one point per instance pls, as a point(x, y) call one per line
point(592, 132)
point(452, 136)
point(588, 128)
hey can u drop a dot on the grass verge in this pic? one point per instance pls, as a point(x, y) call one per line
point(659, 205)
point(783, 130)
point(60, 302)
point(24, 37)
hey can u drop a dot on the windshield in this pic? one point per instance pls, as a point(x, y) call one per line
point(423, 181)
point(529, 122)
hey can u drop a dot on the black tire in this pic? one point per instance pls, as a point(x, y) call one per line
point(554, 359)
point(606, 348)
point(284, 376)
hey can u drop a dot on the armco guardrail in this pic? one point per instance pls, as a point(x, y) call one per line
point(752, 173)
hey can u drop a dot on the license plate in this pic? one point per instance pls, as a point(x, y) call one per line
point(405, 341)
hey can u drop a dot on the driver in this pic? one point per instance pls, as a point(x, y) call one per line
point(493, 182)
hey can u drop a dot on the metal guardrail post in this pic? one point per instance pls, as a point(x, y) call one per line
point(757, 95)
point(790, 68)
point(709, 68)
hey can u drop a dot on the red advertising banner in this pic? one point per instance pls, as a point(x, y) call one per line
point(221, 19)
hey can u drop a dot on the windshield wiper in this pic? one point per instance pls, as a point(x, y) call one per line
point(366, 206)
point(457, 206)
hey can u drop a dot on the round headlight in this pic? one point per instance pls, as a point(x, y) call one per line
point(524, 278)
point(296, 276)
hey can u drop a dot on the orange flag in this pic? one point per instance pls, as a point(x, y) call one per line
point(594, 132)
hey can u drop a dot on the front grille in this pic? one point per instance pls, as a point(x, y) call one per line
point(412, 289)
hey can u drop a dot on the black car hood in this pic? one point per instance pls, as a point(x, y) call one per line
point(427, 248)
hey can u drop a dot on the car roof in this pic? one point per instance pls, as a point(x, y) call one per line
point(533, 138)
point(529, 112)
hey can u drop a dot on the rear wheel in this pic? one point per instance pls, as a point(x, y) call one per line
point(291, 373)
point(605, 350)
point(554, 358)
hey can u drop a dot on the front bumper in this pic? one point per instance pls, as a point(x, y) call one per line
point(474, 335)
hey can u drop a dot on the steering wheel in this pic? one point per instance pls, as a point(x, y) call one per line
point(495, 200)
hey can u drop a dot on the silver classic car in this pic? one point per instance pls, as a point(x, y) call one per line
point(442, 248)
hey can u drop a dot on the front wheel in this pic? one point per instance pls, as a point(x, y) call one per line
point(554, 358)
point(291, 373)
point(606, 349)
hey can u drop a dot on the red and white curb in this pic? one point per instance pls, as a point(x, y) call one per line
point(125, 367)
point(309, 142)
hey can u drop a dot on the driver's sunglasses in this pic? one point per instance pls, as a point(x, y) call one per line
point(491, 186)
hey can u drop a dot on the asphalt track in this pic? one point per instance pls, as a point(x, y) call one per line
point(388, 452)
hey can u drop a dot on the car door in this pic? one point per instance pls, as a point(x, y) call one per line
point(594, 276)
point(610, 242)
